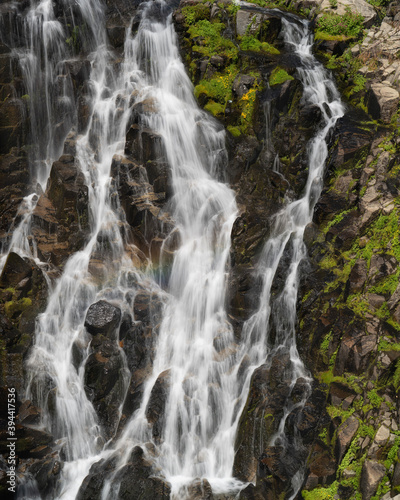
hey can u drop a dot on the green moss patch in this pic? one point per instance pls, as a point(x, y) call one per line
point(350, 24)
point(209, 40)
point(249, 42)
point(279, 76)
point(235, 131)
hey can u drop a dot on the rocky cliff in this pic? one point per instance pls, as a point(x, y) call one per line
point(348, 329)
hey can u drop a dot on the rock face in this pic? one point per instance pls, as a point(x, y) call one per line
point(383, 102)
point(60, 222)
point(360, 6)
point(372, 473)
point(261, 416)
point(349, 305)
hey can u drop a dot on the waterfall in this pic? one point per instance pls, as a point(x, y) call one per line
point(43, 48)
point(207, 371)
point(196, 423)
point(287, 235)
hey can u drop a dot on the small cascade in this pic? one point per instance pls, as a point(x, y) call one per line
point(44, 49)
point(278, 314)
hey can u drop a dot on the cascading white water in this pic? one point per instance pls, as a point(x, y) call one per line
point(51, 365)
point(196, 422)
point(196, 345)
point(287, 232)
point(42, 49)
point(206, 388)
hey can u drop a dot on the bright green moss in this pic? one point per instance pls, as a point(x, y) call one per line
point(392, 454)
point(210, 41)
point(338, 218)
point(194, 13)
point(250, 42)
point(14, 307)
point(321, 493)
point(321, 35)
point(349, 24)
point(279, 76)
point(235, 131)
point(219, 87)
point(215, 108)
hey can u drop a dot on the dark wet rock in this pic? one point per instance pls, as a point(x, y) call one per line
point(155, 411)
point(332, 47)
point(148, 307)
point(60, 221)
point(143, 144)
point(381, 266)
point(275, 468)
point(126, 324)
point(261, 415)
point(103, 318)
point(352, 141)
point(78, 70)
point(14, 185)
point(15, 270)
point(356, 352)
point(137, 479)
point(46, 473)
point(321, 462)
point(93, 483)
point(118, 16)
point(139, 347)
point(137, 344)
point(29, 414)
point(242, 84)
point(243, 155)
point(339, 392)
point(84, 107)
point(304, 420)
point(30, 442)
point(358, 276)
point(200, 489)
point(143, 191)
point(23, 294)
point(13, 124)
point(134, 394)
point(396, 479)
point(105, 381)
point(310, 114)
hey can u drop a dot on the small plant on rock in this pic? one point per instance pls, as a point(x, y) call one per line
point(349, 24)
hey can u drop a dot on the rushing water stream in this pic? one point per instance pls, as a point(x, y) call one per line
point(196, 349)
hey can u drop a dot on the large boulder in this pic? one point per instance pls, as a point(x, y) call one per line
point(345, 434)
point(383, 101)
point(105, 381)
point(371, 475)
point(360, 6)
point(155, 411)
point(103, 318)
point(137, 480)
